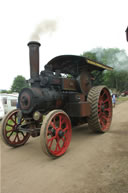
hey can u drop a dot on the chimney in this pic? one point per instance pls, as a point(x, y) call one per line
point(127, 34)
point(34, 59)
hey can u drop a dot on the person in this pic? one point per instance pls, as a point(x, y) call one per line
point(17, 105)
point(113, 100)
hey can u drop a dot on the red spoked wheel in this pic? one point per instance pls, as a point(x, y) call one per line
point(56, 133)
point(9, 130)
point(101, 109)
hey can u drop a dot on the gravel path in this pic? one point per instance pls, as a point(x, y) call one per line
point(93, 163)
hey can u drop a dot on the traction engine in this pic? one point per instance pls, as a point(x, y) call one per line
point(59, 97)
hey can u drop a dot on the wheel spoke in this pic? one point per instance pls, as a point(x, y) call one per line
point(49, 132)
point(65, 136)
point(7, 131)
point(58, 146)
point(53, 125)
point(60, 119)
point(18, 137)
point(22, 120)
point(102, 94)
point(14, 116)
point(65, 129)
point(103, 117)
point(99, 105)
point(102, 123)
point(63, 121)
point(58, 137)
point(22, 133)
point(10, 133)
point(106, 100)
point(15, 119)
point(99, 109)
point(100, 114)
point(51, 141)
point(12, 120)
point(63, 140)
point(9, 125)
point(107, 109)
point(15, 138)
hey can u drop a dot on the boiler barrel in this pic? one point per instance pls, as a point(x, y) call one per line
point(43, 100)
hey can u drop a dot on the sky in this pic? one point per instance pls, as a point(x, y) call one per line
point(81, 25)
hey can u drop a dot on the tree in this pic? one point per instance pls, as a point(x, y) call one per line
point(117, 79)
point(19, 83)
point(6, 91)
point(116, 58)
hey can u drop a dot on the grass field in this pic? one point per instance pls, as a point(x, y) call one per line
point(121, 99)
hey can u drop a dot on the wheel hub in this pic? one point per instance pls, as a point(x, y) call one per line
point(60, 133)
point(102, 107)
point(16, 128)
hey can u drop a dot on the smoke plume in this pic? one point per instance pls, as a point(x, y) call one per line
point(45, 27)
point(116, 58)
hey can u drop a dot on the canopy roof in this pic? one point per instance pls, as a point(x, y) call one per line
point(72, 64)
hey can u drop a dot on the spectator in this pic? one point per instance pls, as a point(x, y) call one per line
point(17, 105)
point(113, 100)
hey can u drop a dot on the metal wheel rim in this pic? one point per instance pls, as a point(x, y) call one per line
point(10, 132)
point(58, 141)
point(104, 109)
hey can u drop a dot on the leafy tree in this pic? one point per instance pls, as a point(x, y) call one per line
point(90, 55)
point(117, 79)
point(6, 91)
point(116, 58)
point(19, 83)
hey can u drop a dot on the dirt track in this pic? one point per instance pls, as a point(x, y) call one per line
point(92, 164)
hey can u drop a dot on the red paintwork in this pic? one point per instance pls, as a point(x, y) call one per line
point(58, 145)
point(105, 109)
point(11, 133)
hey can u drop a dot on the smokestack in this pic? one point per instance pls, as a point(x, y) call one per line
point(34, 58)
point(127, 34)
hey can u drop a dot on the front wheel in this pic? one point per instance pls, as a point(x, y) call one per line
point(55, 133)
point(101, 109)
point(9, 130)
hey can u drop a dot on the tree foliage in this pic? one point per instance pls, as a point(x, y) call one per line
point(18, 84)
point(116, 58)
point(6, 91)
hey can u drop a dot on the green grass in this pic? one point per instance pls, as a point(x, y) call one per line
point(121, 99)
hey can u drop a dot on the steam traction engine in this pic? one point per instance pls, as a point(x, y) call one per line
point(60, 96)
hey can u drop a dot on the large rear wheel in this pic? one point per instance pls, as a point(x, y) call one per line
point(56, 133)
point(9, 130)
point(101, 109)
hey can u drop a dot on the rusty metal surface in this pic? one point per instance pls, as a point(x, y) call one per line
point(34, 58)
point(76, 97)
point(50, 90)
point(85, 83)
point(40, 99)
point(69, 84)
point(81, 109)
